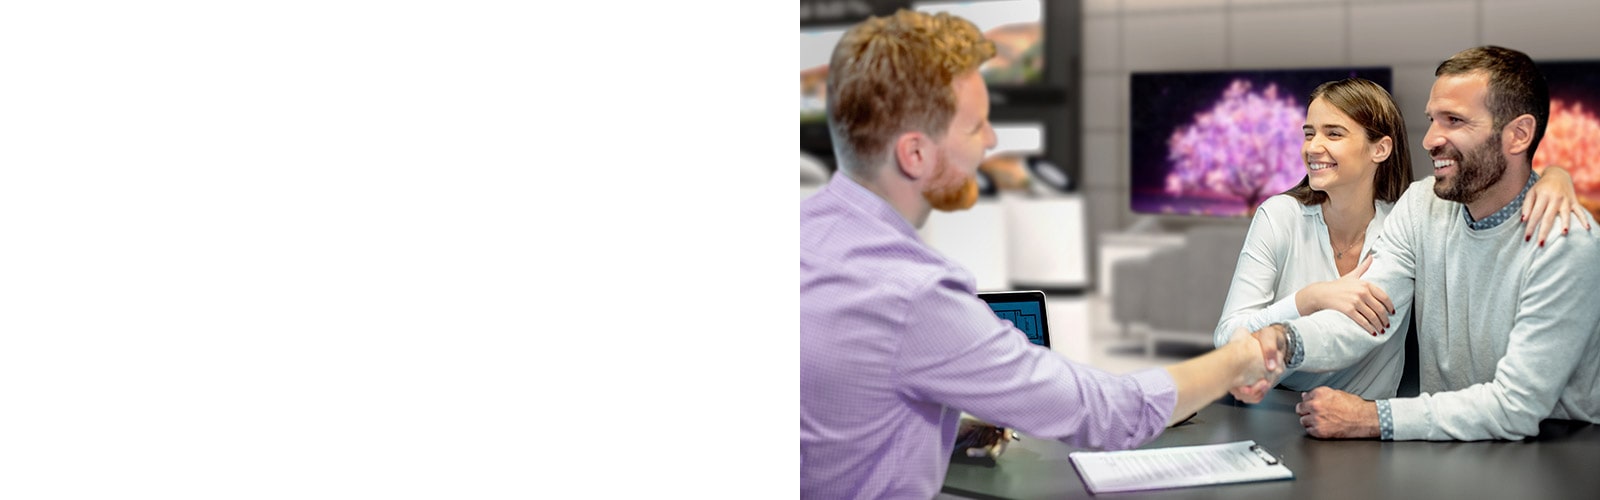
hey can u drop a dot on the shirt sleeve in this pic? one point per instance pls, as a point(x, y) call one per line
point(1385, 421)
point(1250, 304)
point(1552, 325)
point(954, 351)
point(1330, 340)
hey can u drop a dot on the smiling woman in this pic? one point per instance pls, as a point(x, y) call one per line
point(1342, 156)
point(1301, 242)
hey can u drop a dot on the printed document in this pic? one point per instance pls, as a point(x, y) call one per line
point(1177, 467)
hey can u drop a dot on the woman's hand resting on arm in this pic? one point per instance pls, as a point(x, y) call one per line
point(1363, 302)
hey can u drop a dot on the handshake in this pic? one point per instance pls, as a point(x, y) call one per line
point(1258, 377)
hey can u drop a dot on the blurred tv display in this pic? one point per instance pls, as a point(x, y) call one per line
point(1572, 138)
point(816, 47)
point(1218, 143)
point(1016, 29)
point(1014, 26)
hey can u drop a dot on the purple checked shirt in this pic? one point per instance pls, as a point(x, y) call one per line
point(894, 345)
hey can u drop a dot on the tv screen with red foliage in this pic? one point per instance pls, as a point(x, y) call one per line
point(1572, 138)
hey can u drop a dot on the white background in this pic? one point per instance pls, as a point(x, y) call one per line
point(346, 249)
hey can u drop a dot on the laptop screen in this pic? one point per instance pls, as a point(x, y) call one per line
point(1023, 309)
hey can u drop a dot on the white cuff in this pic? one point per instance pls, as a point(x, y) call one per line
point(1282, 310)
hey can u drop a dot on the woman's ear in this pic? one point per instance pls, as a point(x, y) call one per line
point(1382, 149)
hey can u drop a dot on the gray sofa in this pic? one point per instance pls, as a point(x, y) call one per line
point(1177, 293)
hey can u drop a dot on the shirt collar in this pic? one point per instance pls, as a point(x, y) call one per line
point(860, 197)
point(1494, 219)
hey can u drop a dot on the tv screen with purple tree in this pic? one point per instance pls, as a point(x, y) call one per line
point(1218, 143)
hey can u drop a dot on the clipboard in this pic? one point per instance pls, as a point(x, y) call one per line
point(1177, 467)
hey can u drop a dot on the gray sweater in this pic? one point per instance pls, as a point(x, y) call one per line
point(1508, 332)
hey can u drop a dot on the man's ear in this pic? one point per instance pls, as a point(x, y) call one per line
point(1382, 149)
point(914, 154)
point(1517, 136)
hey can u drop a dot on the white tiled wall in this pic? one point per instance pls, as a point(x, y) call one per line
point(1448, 28)
point(1102, 148)
point(1103, 104)
point(1295, 35)
point(1564, 29)
point(1170, 5)
point(1411, 36)
point(1105, 38)
point(1157, 40)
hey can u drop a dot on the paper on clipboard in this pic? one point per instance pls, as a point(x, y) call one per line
point(1177, 467)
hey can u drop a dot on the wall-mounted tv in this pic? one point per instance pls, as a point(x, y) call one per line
point(1015, 27)
point(816, 47)
point(1572, 138)
point(1218, 143)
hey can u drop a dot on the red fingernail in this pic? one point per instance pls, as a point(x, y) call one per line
point(1563, 232)
point(1541, 243)
point(1527, 238)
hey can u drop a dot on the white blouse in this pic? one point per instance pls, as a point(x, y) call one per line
point(1286, 249)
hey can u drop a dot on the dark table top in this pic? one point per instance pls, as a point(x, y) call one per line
point(1562, 462)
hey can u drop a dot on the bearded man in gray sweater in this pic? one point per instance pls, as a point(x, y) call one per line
point(1508, 330)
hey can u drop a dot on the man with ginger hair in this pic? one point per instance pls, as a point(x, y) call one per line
point(894, 342)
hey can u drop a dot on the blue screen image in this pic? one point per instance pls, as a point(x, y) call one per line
point(1025, 315)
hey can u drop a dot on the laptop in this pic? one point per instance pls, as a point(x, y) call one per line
point(1025, 309)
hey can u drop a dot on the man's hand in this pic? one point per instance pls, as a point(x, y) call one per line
point(1333, 414)
point(1254, 382)
point(977, 439)
point(1363, 302)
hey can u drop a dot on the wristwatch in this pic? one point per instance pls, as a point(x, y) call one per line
point(1293, 354)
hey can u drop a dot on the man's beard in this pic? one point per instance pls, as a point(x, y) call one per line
point(1482, 168)
point(951, 189)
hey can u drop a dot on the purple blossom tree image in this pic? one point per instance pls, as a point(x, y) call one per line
point(1246, 147)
